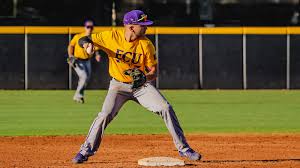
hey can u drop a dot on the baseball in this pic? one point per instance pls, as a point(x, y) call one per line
point(90, 49)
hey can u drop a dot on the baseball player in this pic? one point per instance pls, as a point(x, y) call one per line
point(80, 61)
point(132, 65)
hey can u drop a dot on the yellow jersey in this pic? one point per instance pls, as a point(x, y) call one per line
point(78, 51)
point(124, 55)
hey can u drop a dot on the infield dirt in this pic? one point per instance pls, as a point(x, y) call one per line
point(218, 150)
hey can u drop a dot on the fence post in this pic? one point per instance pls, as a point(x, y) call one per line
point(70, 68)
point(200, 58)
point(244, 59)
point(26, 58)
point(157, 57)
point(288, 61)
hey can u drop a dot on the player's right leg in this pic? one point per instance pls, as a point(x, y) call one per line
point(117, 95)
point(82, 73)
point(89, 71)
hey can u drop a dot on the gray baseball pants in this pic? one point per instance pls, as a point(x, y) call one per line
point(147, 96)
point(83, 70)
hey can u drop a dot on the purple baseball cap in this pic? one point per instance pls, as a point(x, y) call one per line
point(136, 17)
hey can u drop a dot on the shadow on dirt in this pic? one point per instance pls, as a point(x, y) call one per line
point(240, 161)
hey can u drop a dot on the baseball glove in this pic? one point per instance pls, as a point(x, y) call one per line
point(71, 61)
point(85, 39)
point(139, 78)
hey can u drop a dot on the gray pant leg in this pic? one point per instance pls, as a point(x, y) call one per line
point(83, 70)
point(152, 99)
point(114, 100)
point(88, 66)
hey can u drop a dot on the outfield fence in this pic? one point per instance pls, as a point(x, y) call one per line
point(189, 58)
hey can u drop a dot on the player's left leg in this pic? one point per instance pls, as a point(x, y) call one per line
point(149, 97)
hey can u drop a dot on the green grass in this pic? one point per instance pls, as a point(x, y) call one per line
point(54, 112)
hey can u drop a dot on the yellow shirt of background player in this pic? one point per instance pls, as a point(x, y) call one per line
point(78, 51)
point(124, 55)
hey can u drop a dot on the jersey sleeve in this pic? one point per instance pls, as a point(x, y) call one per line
point(102, 39)
point(74, 41)
point(151, 59)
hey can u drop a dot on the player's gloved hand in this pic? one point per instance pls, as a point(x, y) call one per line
point(71, 60)
point(86, 43)
point(139, 78)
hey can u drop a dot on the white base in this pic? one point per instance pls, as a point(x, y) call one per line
point(161, 161)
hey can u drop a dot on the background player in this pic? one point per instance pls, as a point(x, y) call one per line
point(80, 61)
point(132, 64)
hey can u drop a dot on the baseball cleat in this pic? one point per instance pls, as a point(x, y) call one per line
point(79, 158)
point(79, 100)
point(190, 154)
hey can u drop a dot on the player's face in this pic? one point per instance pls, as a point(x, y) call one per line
point(139, 30)
point(89, 26)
